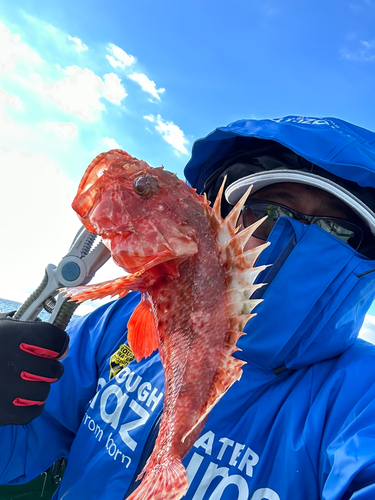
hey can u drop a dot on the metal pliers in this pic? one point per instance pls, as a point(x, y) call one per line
point(77, 267)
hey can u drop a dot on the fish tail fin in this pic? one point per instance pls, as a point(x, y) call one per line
point(166, 481)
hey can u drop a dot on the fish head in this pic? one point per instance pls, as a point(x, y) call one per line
point(139, 211)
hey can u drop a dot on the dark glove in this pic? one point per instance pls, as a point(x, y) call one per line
point(28, 366)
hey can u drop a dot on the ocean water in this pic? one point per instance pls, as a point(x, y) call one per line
point(8, 305)
point(11, 305)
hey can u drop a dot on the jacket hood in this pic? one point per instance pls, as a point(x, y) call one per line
point(341, 148)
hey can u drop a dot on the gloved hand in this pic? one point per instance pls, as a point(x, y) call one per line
point(28, 366)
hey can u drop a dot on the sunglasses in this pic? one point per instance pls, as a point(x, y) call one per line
point(255, 209)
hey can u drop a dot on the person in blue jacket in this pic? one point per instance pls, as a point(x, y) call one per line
point(300, 424)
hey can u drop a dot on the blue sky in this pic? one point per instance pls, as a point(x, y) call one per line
point(151, 77)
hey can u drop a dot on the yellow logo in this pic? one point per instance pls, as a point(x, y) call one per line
point(120, 359)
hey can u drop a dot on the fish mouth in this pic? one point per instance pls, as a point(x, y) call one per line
point(129, 254)
point(116, 235)
point(112, 239)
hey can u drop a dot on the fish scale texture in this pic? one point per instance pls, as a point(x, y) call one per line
point(184, 260)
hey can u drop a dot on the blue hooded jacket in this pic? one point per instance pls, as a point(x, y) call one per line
point(301, 421)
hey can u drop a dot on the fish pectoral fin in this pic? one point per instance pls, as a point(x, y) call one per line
point(120, 286)
point(142, 333)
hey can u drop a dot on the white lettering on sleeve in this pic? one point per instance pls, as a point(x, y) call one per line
point(250, 459)
point(129, 441)
point(235, 454)
point(239, 481)
point(112, 418)
point(206, 442)
point(144, 391)
point(212, 471)
point(193, 466)
point(128, 384)
point(121, 376)
point(154, 399)
point(265, 494)
point(226, 442)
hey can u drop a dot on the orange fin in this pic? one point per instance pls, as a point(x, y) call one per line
point(142, 334)
point(120, 286)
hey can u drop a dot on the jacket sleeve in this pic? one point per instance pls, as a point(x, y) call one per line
point(348, 460)
point(27, 451)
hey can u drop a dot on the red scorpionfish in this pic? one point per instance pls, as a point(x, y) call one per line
point(195, 282)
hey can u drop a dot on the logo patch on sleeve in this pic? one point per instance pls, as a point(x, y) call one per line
point(121, 358)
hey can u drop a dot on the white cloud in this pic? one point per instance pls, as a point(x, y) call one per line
point(48, 27)
point(81, 47)
point(113, 90)
point(147, 85)
point(63, 130)
point(365, 52)
point(10, 100)
point(36, 197)
point(59, 37)
point(47, 136)
point(172, 134)
point(113, 62)
point(368, 45)
point(14, 52)
point(78, 92)
point(13, 135)
point(75, 90)
point(81, 90)
point(110, 143)
point(119, 58)
point(150, 118)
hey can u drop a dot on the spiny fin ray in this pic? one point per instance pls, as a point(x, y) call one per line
point(244, 306)
point(228, 227)
point(243, 279)
point(215, 216)
point(234, 246)
point(244, 260)
point(238, 295)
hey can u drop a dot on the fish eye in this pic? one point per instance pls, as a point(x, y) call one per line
point(142, 185)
